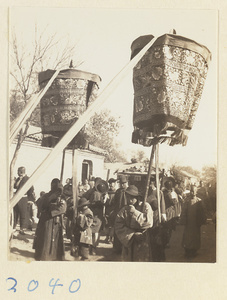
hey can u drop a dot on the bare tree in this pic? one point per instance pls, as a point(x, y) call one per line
point(44, 52)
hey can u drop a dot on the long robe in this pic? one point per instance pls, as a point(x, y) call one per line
point(193, 216)
point(127, 223)
point(48, 243)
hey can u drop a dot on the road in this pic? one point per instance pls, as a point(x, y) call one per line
point(21, 247)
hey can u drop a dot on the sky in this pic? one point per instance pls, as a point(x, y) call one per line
point(104, 38)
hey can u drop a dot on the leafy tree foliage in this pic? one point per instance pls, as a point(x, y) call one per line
point(209, 174)
point(101, 131)
point(138, 156)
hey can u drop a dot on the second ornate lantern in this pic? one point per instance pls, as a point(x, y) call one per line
point(168, 83)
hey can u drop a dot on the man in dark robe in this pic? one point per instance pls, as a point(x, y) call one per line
point(119, 201)
point(48, 242)
point(68, 218)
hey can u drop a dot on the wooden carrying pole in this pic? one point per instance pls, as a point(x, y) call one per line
point(149, 175)
point(76, 127)
point(31, 105)
point(157, 180)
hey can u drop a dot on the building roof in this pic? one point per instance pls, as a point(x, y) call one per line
point(34, 135)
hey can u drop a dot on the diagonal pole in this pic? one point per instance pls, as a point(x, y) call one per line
point(76, 127)
point(62, 166)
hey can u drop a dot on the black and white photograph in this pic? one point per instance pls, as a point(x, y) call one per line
point(136, 181)
point(112, 140)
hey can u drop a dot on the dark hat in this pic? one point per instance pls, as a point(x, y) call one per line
point(132, 190)
point(112, 180)
point(101, 186)
point(123, 179)
point(82, 202)
point(92, 178)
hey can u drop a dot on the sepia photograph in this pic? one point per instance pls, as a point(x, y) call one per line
point(112, 135)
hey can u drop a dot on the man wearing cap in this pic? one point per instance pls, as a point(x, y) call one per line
point(119, 201)
point(21, 208)
point(131, 226)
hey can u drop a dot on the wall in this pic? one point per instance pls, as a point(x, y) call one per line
point(31, 156)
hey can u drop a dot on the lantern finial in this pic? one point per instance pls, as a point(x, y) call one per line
point(71, 64)
point(173, 31)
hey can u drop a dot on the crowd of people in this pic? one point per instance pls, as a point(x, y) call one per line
point(138, 230)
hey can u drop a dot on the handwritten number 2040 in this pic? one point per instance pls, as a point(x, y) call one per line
point(34, 284)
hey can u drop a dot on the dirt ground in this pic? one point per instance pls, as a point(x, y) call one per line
point(21, 247)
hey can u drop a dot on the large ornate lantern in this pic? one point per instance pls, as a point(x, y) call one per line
point(66, 99)
point(168, 83)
